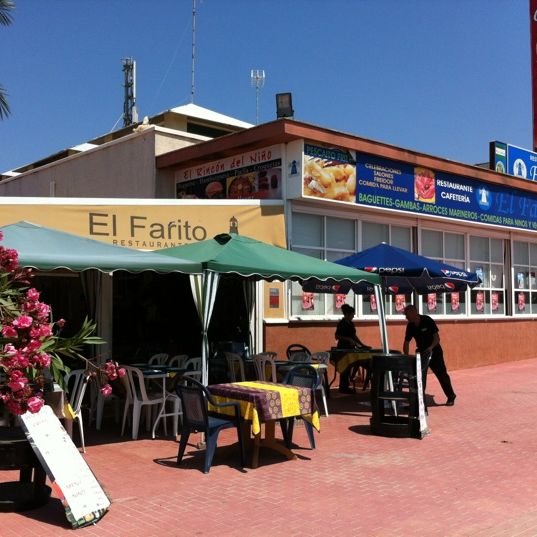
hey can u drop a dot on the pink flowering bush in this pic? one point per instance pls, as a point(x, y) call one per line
point(30, 341)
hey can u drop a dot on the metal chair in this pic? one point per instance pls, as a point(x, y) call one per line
point(235, 367)
point(196, 418)
point(305, 376)
point(138, 397)
point(77, 382)
point(299, 356)
point(296, 347)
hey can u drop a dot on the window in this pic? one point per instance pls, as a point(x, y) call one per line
point(448, 248)
point(331, 238)
point(486, 259)
point(524, 283)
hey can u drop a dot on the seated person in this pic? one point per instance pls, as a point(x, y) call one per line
point(347, 339)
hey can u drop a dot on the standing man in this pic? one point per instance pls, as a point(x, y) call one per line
point(425, 332)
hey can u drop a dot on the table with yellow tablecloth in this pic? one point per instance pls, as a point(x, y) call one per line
point(267, 402)
point(354, 357)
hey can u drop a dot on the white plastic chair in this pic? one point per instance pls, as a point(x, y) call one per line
point(322, 357)
point(159, 359)
point(77, 382)
point(176, 412)
point(98, 401)
point(234, 364)
point(261, 361)
point(178, 360)
point(193, 367)
point(138, 397)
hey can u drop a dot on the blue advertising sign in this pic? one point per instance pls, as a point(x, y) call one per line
point(521, 162)
point(399, 186)
point(514, 160)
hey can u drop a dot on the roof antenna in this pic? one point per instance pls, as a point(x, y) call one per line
point(257, 78)
point(130, 113)
point(192, 88)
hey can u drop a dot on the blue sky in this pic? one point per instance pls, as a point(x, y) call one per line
point(443, 78)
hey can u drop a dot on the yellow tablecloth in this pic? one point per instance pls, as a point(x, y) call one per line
point(264, 401)
point(352, 358)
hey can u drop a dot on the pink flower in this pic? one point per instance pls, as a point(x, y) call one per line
point(60, 323)
point(121, 372)
point(16, 385)
point(9, 349)
point(43, 310)
point(9, 331)
point(32, 294)
point(23, 321)
point(34, 404)
point(15, 407)
point(106, 390)
point(41, 331)
point(41, 360)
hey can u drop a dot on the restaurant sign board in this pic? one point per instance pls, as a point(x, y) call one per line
point(506, 158)
point(389, 184)
point(256, 174)
point(150, 224)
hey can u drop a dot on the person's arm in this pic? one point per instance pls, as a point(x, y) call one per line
point(406, 341)
point(434, 343)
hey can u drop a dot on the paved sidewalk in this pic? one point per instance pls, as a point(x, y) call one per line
point(474, 475)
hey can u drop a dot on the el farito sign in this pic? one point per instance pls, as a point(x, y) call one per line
point(155, 226)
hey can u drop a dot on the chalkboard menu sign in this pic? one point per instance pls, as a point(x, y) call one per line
point(71, 478)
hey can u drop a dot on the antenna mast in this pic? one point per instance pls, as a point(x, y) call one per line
point(257, 78)
point(130, 114)
point(192, 88)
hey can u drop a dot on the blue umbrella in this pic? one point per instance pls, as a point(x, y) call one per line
point(403, 272)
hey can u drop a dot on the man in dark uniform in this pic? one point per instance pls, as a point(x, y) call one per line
point(425, 332)
point(347, 339)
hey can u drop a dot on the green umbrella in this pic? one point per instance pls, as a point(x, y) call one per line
point(254, 260)
point(48, 249)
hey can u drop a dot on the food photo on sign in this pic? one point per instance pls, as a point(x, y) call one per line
point(307, 301)
point(455, 302)
point(424, 185)
point(241, 187)
point(329, 179)
point(431, 302)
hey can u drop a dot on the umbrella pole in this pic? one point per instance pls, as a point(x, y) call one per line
point(379, 296)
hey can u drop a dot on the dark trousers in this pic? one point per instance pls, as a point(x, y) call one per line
point(438, 367)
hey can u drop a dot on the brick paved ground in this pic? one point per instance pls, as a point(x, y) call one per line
point(474, 475)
